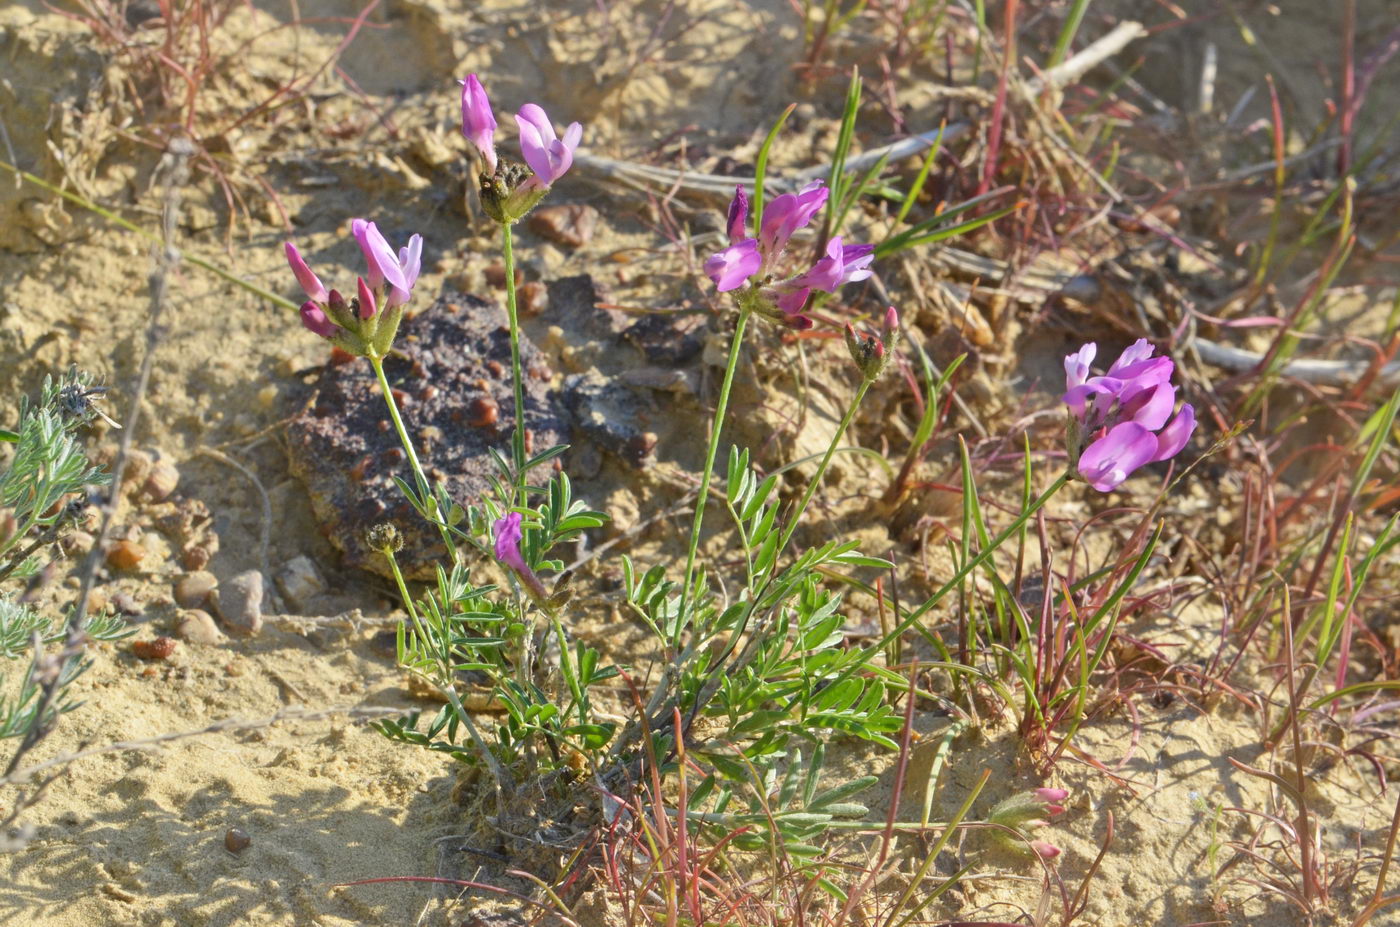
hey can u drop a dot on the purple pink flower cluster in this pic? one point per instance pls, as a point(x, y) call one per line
point(755, 257)
point(508, 531)
point(1123, 415)
point(387, 284)
point(549, 156)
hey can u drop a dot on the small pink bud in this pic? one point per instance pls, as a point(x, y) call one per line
point(891, 319)
point(310, 283)
point(367, 306)
point(1045, 850)
point(314, 318)
point(1051, 795)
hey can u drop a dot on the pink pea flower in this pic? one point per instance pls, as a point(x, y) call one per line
point(549, 157)
point(315, 320)
point(411, 263)
point(792, 302)
point(508, 537)
point(310, 284)
point(382, 261)
point(478, 122)
point(734, 265)
point(1126, 416)
point(788, 213)
point(1045, 850)
point(842, 264)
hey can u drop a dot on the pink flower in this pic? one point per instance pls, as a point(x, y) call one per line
point(1123, 416)
point(508, 537)
point(1045, 850)
point(383, 263)
point(410, 262)
point(310, 283)
point(735, 264)
point(315, 320)
point(478, 122)
point(548, 156)
point(788, 213)
point(792, 302)
point(842, 264)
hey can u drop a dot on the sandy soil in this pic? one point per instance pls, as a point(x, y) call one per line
point(139, 836)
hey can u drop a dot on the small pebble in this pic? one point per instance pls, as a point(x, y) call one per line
point(533, 297)
point(195, 558)
point(482, 412)
point(570, 224)
point(138, 468)
point(76, 542)
point(267, 396)
point(162, 481)
point(239, 603)
point(8, 524)
point(300, 581)
point(158, 649)
point(194, 626)
point(125, 555)
point(236, 840)
point(96, 601)
point(192, 589)
point(127, 604)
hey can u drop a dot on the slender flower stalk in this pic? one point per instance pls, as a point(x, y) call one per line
point(517, 373)
point(420, 479)
point(721, 408)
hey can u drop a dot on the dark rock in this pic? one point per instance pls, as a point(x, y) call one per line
point(451, 372)
point(611, 415)
point(574, 305)
point(570, 224)
point(667, 339)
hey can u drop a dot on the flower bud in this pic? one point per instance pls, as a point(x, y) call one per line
point(867, 351)
point(385, 538)
point(365, 309)
point(507, 195)
point(315, 320)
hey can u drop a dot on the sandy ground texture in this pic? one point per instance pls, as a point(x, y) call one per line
point(143, 836)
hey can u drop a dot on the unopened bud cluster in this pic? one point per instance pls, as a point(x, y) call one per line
point(872, 352)
point(1028, 812)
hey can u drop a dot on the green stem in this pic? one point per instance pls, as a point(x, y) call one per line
point(517, 377)
point(720, 408)
point(424, 492)
point(796, 517)
point(445, 685)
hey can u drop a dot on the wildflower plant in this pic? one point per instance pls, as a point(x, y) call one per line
point(752, 678)
point(42, 487)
